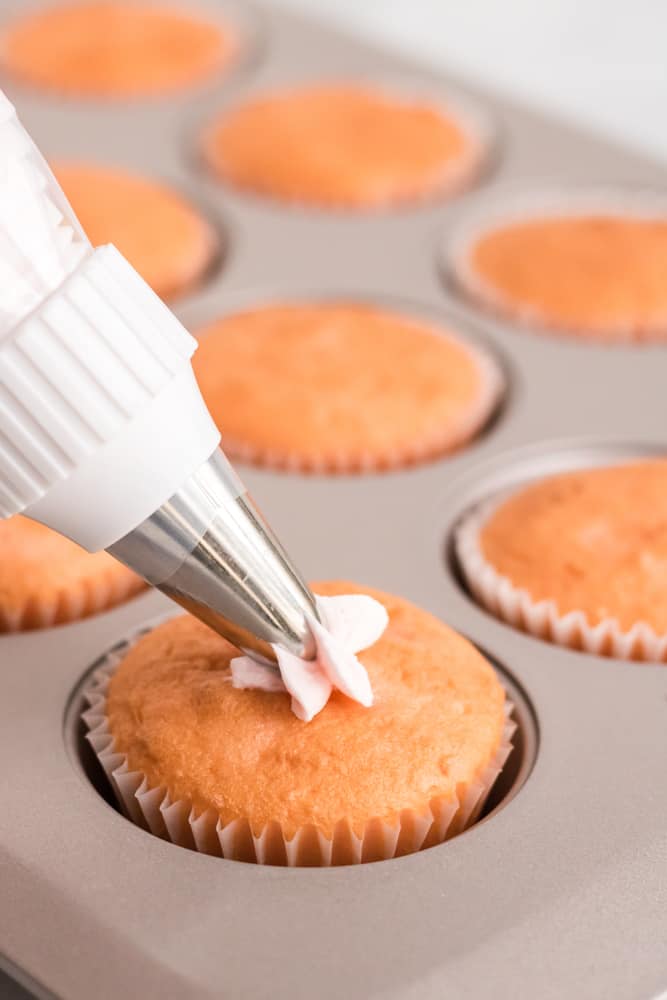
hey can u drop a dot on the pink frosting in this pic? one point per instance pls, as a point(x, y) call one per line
point(347, 625)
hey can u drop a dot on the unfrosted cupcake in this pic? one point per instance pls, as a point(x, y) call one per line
point(235, 773)
point(161, 234)
point(115, 48)
point(588, 266)
point(339, 387)
point(344, 145)
point(45, 579)
point(579, 558)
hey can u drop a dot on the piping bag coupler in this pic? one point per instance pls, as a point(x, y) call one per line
point(104, 435)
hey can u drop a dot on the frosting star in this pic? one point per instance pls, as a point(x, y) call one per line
point(347, 625)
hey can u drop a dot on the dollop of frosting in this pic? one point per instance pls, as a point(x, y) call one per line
point(347, 625)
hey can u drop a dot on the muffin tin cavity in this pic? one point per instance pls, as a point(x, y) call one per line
point(353, 145)
point(46, 580)
point(509, 602)
point(101, 771)
point(164, 234)
point(115, 50)
point(344, 386)
point(583, 263)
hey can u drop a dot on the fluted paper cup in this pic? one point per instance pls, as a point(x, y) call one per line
point(517, 205)
point(178, 822)
point(542, 618)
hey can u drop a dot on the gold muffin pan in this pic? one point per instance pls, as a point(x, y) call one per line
point(561, 892)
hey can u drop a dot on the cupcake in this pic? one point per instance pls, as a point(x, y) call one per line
point(579, 558)
point(160, 233)
point(349, 146)
point(235, 773)
point(45, 579)
point(592, 267)
point(115, 49)
point(341, 387)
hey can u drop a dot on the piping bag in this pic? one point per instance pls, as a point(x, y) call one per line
point(104, 435)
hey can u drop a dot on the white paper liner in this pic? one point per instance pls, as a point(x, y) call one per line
point(178, 822)
point(456, 175)
point(517, 205)
point(456, 434)
point(542, 618)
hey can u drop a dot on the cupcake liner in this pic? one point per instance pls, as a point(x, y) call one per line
point(89, 597)
point(178, 821)
point(515, 205)
point(542, 619)
point(455, 177)
point(456, 435)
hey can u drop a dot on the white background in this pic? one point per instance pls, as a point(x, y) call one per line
point(601, 63)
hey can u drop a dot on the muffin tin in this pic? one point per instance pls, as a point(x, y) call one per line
point(562, 889)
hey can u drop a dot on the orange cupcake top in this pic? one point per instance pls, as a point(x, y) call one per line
point(436, 723)
point(45, 579)
point(341, 145)
point(340, 387)
point(162, 236)
point(113, 48)
point(600, 275)
point(593, 540)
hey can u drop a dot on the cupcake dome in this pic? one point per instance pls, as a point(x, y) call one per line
point(114, 49)
point(341, 387)
point(45, 579)
point(342, 146)
point(579, 558)
point(599, 275)
point(159, 232)
point(389, 779)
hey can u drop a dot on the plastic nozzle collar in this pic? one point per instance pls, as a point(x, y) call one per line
point(105, 416)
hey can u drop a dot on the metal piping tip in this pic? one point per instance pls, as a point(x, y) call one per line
point(209, 549)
